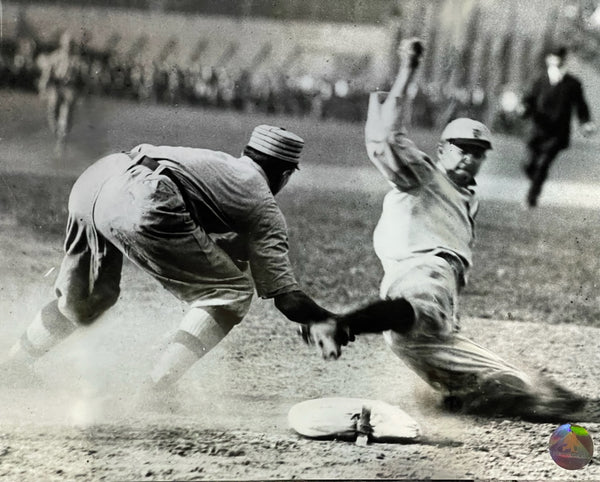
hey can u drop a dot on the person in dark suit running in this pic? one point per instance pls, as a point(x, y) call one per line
point(550, 103)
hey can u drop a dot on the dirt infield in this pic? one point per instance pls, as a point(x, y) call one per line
point(232, 423)
point(82, 421)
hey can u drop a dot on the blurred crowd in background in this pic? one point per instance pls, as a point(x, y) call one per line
point(112, 72)
point(120, 76)
point(109, 74)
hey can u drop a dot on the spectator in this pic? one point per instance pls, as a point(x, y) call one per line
point(549, 104)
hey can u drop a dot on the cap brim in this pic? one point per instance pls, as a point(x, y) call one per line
point(475, 142)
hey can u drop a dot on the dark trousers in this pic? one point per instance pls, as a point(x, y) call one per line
point(541, 156)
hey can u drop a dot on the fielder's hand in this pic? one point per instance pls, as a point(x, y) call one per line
point(410, 52)
point(329, 336)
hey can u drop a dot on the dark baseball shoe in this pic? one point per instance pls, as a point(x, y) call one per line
point(589, 413)
point(552, 403)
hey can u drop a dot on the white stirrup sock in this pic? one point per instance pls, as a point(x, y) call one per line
point(39, 336)
point(35, 342)
point(198, 334)
point(48, 328)
point(173, 363)
point(198, 323)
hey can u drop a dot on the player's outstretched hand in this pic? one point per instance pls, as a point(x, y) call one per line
point(410, 51)
point(328, 336)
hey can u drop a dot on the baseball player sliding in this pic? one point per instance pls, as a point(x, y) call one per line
point(203, 223)
point(423, 240)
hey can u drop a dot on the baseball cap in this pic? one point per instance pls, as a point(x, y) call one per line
point(467, 130)
point(277, 142)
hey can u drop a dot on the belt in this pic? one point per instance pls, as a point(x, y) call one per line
point(456, 262)
point(153, 165)
point(150, 163)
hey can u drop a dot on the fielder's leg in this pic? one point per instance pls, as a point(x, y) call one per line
point(48, 328)
point(199, 332)
point(59, 318)
point(86, 286)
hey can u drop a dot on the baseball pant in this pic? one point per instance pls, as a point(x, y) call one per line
point(446, 360)
point(122, 207)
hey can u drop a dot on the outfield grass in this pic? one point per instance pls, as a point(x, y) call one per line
point(537, 265)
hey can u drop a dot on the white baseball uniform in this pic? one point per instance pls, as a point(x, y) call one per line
point(423, 240)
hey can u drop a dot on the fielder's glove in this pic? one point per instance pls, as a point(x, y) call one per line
point(328, 335)
point(410, 51)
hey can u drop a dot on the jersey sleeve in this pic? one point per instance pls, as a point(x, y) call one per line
point(581, 106)
point(268, 251)
point(390, 150)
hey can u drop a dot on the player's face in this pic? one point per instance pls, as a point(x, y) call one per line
point(281, 180)
point(462, 161)
point(554, 61)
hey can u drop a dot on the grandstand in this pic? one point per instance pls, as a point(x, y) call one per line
point(267, 43)
point(477, 49)
point(338, 11)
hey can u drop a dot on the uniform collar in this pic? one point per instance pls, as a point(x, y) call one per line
point(257, 167)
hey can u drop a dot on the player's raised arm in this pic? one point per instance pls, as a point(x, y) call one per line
point(410, 52)
point(394, 155)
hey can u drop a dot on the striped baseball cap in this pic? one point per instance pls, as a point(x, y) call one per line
point(277, 142)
